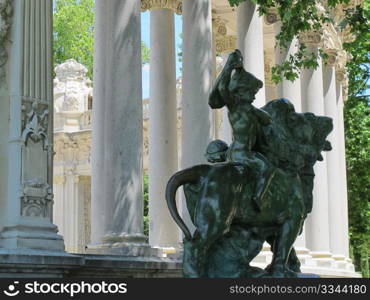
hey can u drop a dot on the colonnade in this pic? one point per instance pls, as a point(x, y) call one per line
point(117, 203)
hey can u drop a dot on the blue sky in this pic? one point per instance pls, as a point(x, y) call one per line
point(145, 36)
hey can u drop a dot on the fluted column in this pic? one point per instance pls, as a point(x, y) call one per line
point(332, 159)
point(197, 82)
point(317, 234)
point(26, 123)
point(117, 194)
point(162, 126)
point(343, 203)
point(250, 42)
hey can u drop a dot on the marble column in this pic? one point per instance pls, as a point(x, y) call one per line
point(286, 88)
point(317, 223)
point(163, 231)
point(332, 159)
point(26, 122)
point(250, 43)
point(197, 83)
point(343, 203)
point(117, 134)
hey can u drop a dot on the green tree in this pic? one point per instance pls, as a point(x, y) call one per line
point(74, 33)
point(357, 126)
point(297, 17)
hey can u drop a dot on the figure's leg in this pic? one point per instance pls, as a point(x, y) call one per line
point(263, 181)
point(210, 227)
point(282, 247)
point(293, 262)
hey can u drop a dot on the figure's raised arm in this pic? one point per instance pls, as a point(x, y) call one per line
point(220, 95)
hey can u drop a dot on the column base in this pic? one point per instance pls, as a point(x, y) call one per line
point(124, 249)
point(322, 259)
point(40, 235)
point(124, 245)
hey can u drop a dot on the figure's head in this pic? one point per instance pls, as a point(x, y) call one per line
point(216, 151)
point(244, 86)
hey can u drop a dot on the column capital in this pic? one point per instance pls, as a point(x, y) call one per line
point(6, 12)
point(311, 37)
point(272, 16)
point(340, 65)
point(347, 36)
point(174, 5)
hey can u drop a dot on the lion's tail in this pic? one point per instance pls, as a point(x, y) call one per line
point(190, 175)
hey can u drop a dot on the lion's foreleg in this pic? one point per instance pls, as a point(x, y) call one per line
point(282, 247)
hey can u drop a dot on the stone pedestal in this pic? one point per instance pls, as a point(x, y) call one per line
point(26, 122)
point(117, 140)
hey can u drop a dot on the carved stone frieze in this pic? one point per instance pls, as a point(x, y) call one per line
point(174, 5)
point(36, 198)
point(219, 27)
point(311, 38)
point(6, 12)
point(225, 44)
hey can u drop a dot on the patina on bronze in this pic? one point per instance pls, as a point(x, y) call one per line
point(257, 189)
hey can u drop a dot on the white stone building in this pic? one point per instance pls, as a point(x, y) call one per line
point(27, 142)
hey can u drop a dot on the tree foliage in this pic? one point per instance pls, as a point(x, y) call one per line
point(74, 33)
point(296, 18)
point(357, 125)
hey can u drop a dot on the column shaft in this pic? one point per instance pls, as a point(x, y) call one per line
point(286, 88)
point(26, 153)
point(343, 172)
point(117, 196)
point(162, 126)
point(197, 82)
point(250, 43)
point(332, 159)
point(317, 229)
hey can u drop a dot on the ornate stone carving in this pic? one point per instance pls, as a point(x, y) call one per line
point(268, 70)
point(347, 35)
point(174, 5)
point(311, 38)
point(36, 199)
point(219, 27)
point(272, 16)
point(225, 44)
point(5, 23)
point(35, 122)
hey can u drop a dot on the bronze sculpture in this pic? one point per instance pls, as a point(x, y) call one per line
point(257, 189)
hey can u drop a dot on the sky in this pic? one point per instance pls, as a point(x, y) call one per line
point(145, 36)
